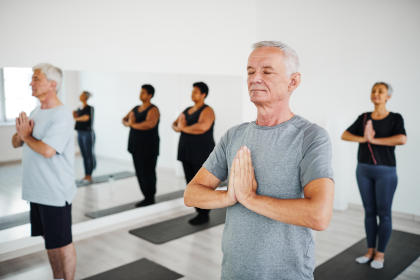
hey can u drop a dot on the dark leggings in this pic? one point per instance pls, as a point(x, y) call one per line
point(146, 174)
point(377, 184)
point(190, 169)
point(86, 141)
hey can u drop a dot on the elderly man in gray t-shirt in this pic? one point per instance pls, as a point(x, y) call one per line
point(280, 177)
point(48, 174)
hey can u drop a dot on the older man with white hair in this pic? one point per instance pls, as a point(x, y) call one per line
point(280, 177)
point(48, 174)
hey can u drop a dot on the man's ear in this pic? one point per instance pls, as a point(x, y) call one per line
point(54, 84)
point(294, 81)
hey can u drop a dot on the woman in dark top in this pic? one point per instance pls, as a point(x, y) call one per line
point(377, 133)
point(143, 143)
point(196, 142)
point(86, 136)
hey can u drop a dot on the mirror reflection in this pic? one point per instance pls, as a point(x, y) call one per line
point(109, 153)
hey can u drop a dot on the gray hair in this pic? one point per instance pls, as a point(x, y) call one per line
point(291, 60)
point(51, 72)
point(388, 87)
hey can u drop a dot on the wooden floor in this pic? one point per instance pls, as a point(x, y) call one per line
point(197, 256)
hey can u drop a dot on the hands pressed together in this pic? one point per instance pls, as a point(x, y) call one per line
point(180, 123)
point(369, 133)
point(242, 184)
point(24, 126)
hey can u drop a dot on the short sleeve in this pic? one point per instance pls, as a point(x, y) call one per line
point(357, 127)
point(316, 157)
point(398, 125)
point(59, 132)
point(216, 163)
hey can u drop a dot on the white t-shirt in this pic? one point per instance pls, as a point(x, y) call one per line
point(50, 181)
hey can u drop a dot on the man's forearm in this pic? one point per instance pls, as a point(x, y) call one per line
point(16, 141)
point(204, 197)
point(299, 212)
point(39, 147)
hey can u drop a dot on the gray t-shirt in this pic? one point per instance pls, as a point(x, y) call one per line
point(285, 157)
point(50, 181)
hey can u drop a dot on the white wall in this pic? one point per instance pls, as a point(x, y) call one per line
point(116, 93)
point(344, 47)
point(184, 36)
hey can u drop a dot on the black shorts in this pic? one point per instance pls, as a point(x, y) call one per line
point(53, 223)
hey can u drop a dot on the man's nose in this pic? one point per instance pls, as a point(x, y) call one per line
point(256, 78)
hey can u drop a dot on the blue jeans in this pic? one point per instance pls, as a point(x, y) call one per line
point(377, 184)
point(86, 141)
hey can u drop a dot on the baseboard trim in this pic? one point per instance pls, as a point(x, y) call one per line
point(395, 214)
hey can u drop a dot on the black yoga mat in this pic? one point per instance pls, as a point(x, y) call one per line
point(172, 229)
point(129, 206)
point(14, 220)
point(106, 178)
point(402, 250)
point(141, 269)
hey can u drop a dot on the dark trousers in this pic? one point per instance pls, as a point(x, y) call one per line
point(377, 184)
point(190, 169)
point(146, 174)
point(86, 141)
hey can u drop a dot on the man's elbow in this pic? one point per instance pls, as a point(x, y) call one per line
point(49, 153)
point(320, 221)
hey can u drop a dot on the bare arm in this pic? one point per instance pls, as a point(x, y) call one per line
point(40, 147)
point(125, 119)
point(313, 211)
point(24, 128)
point(175, 124)
point(347, 136)
point(399, 139)
point(204, 123)
point(150, 122)
point(201, 192)
point(83, 118)
point(16, 141)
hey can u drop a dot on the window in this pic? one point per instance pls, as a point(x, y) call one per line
point(15, 93)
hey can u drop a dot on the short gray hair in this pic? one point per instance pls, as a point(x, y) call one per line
point(291, 58)
point(387, 85)
point(51, 72)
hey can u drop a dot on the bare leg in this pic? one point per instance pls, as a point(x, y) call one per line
point(55, 262)
point(370, 253)
point(63, 261)
point(379, 256)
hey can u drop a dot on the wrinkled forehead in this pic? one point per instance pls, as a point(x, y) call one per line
point(266, 57)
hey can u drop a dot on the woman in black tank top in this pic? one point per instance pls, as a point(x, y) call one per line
point(143, 143)
point(196, 142)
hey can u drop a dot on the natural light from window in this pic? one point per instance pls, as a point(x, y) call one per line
point(17, 92)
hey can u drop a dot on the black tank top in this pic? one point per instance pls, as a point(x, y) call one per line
point(144, 141)
point(195, 148)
